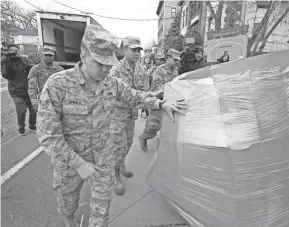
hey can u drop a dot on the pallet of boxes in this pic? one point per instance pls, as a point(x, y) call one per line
point(226, 162)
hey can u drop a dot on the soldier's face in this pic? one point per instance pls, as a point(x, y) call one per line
point(160, 61)
point(48, 58)
point(95, 70)
point(132, 54)
point(175, 62)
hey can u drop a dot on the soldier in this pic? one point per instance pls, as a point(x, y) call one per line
point(74, 117)
point(39, 74)
point(130, 70)
point(160, 59)
point(162, 75)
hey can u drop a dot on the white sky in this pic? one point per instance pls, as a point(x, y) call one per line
point(133, 9)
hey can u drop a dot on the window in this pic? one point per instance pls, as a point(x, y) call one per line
point(195, 8)
point(173, 12)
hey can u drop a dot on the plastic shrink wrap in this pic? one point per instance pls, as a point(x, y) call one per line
point(226, 162)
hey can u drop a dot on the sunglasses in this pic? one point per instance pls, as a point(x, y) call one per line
point(48, 55)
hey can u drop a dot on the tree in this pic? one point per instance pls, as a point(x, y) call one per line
point(15, 18)
point(173, 39)
point(276, 12)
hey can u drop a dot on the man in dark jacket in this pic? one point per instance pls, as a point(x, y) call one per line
point(15, 69)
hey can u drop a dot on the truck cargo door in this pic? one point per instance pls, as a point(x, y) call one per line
point(59, 42)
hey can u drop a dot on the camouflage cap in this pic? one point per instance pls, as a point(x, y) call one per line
point(48, 50)
point(132, 42)
point(174, 54)
point(160, 56)
point(101, 45)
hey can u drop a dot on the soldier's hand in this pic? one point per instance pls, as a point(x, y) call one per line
point(171, 107)
point(35, 107)
point(88, 170)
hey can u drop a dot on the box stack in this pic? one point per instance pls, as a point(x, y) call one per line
point(226, 162)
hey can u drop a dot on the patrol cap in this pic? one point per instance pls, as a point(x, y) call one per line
point(132, 42)
point(48, 50)
point(174, 54)
point(160, 56)
point(101, 45)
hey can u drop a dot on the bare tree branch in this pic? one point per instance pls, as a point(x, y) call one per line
point(239, 17)
point(257, 31)
point(211, 10)
point(272, 29)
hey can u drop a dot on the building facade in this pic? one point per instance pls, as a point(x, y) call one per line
point(165, 10)
point(193, 14)
point(197, 15)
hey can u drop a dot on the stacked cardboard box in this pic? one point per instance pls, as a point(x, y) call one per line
point(226, 162)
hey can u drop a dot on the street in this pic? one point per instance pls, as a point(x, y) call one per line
point(8, 114)
point(28, 199)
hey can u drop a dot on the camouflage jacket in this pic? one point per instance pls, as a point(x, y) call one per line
point(73, 121)
point(37, 77)
point(136, 79)
point(161, 76)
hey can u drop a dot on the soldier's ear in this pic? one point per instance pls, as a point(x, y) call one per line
point(82, 57)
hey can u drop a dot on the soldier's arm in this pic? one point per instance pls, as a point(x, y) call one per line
point(32, 84)
point(134, 97)
point(49, 126)
point(158, 80)
point(146, 83)
point(118, 71)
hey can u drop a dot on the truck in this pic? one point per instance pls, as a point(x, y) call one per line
point(63, 32)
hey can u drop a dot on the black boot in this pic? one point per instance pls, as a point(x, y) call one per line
point(126, 172)
point(119, 186)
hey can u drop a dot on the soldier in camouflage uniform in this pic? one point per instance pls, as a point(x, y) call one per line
point(162, 75)
point(39, 74)
point(134, 75)
point(160, 60)
point(74, 117)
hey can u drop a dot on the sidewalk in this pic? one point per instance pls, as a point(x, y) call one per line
point(140, 206)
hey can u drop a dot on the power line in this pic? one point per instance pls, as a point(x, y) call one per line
point(114, 18)
point(65, 26)
point(33, 5)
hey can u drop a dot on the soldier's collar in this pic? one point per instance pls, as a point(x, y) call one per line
point(79, 76)
point(128, 67)
point(53, 66)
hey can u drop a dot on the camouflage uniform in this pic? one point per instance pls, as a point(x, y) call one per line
point(37, 77)
point(73, 127)
point(161, 76)
point(123, 122)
